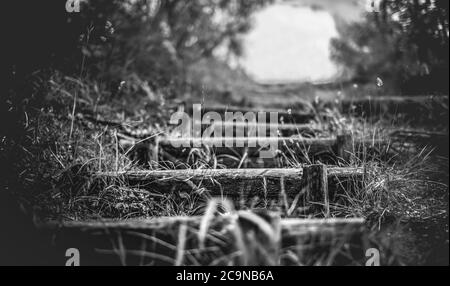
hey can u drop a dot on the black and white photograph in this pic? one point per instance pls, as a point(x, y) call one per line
point(232, 135)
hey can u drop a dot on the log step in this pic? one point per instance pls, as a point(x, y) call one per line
point(416, 109)
point(201, 240)
point(314, 186)
point(179, 150)
point(330, 149)
point(230, 182)
point(251, 129)
point(283, 115)
point(437, 140)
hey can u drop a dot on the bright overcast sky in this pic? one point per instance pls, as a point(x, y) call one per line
point(290, 43)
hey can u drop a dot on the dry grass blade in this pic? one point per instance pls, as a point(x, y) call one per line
point(181, 244)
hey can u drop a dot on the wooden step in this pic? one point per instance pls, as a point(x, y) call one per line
point(231, 182)
point(289, 226)
point(416, 109)
point(252, 129)
point(397, 100)
point(437, 140)
point(179, 151)
point(333, 148)
point(314, 186)
point(202, 240)
point(283, 115)
point(413, 134)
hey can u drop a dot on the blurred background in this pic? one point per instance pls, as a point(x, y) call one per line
point(193, 48)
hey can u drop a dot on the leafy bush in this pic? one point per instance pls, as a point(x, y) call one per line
point(406, 45)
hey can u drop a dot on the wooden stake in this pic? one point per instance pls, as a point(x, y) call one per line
point(344, 146)
point(317, 188)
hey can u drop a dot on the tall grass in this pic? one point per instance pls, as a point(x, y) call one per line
point(65, 151)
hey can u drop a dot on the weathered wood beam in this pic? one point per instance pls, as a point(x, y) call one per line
point(284, 115)
point(290, 226)
point(252, 146)
point(420, 136)
point(251, 129)
point(317, 188)
point(157, 241)
point(411, 108)
point(328, 150)
point(262, 183)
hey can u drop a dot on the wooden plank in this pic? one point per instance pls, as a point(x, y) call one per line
point(288, 225)
point(284, 115)
point(252, 146)
point(398, 99)
point(420, 135)
point(246, 152)
point(436, 141)
point(233, 182)
point(157, 241)
point(251, 129)
point(415, 109)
